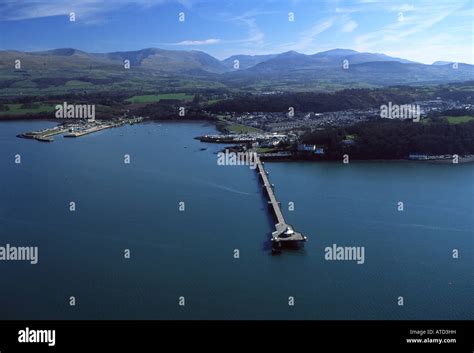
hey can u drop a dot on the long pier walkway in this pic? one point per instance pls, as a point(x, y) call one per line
point(284, 234)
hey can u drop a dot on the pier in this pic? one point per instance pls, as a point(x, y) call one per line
point(89, 130)
point(284, 234)
point(45, 135)
point(78, 129)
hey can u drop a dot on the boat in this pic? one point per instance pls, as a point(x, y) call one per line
point(288, 232)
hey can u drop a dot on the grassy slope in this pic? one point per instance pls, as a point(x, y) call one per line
point(155, 98)
point(15, 109)
point(458, 119)
point(451, 119)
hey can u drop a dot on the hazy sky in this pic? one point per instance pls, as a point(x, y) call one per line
point(420, 30)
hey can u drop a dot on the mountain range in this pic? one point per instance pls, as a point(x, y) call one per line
point(288, 67)
point(175, 60)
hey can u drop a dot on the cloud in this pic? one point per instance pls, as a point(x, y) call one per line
point(403, 8)
point(307, 37)
point(346, 10)
point(349, 26)
point(421, 20)
point(186, 3)
point(420, 30)
point(444, 47)
point(87, 10)
point(199, 42)
point(248, 19)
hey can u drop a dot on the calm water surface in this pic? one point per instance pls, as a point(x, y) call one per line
point(190, 253)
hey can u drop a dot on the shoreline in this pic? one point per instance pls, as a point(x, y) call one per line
point(433, 161)
point(462, 160)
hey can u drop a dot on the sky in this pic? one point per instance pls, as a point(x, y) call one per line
point(422, 31)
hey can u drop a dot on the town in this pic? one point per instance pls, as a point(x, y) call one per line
point(283, 121)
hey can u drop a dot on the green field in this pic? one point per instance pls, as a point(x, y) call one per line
point(458, 119)
point(155, 98)
point(241, 129)
point(450, 119)
point(15, 109)
point(212, 101)
point(230, 127)
point(76, 83)
point(265, 150)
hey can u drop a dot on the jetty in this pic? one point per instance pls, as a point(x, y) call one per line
point(77, 129)
point(89, 130)
point(284, 235)
point(45, 135)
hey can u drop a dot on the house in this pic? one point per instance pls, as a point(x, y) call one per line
point(306, 148)
point(310, 149)
point(418, 157)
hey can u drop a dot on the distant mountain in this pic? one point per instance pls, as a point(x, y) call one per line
point(378, 73)
point(246, 61)
point(354, 57)
point(337, 52)
point(159, 60)
point(397, 73)
point(330, 58)
point(170, 60)
point(285, 61)
point(289, 70)
point(295, 68)
point(61, 52)
point(442, 63)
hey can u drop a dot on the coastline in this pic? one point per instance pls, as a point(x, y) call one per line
point(462, 160)
point(434, 161)
point(324, 212)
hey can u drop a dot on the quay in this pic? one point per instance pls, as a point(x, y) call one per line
point(89, 130)
point(284, 235)
point(78, 129)
point(45, 135)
